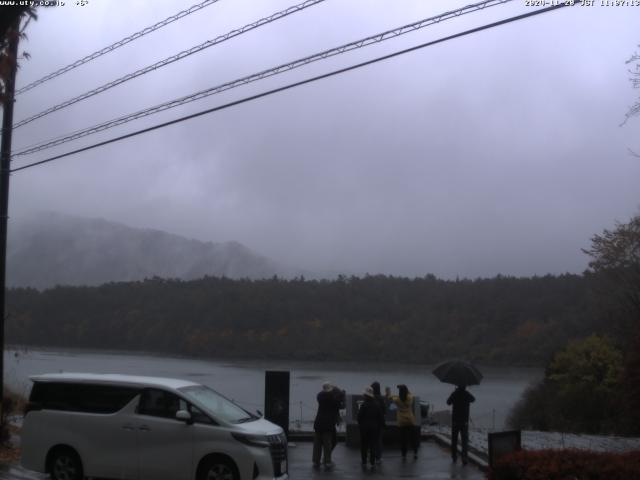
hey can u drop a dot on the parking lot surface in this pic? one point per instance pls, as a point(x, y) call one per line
point(433, 463)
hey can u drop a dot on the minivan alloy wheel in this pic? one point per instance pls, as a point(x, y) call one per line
point(66, 466)
point(220, 471)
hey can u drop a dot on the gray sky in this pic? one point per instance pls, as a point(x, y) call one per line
point(499, 152)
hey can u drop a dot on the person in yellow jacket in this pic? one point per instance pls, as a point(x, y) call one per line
point(406, 419)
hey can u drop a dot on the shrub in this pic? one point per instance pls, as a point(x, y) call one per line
point(566, 464)
point(580, 393)
point(11, 403)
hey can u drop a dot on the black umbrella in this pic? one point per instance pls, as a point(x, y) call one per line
point(458, 372)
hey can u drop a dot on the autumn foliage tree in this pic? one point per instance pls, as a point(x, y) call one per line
point(580, 391)
point(591, 386)
point(615, 258)
point(586, 382)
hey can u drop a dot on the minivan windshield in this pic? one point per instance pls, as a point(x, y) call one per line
point(216, 405)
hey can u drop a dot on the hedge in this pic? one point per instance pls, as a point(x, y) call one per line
point(567, 464)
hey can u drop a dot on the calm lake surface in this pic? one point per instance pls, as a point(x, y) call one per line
point(243, 381)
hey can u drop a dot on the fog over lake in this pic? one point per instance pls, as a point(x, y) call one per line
point(243, 380)
point(499, 152)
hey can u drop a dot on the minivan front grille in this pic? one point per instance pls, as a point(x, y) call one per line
point(278, 450)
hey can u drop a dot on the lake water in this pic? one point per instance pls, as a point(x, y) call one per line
point(243, 381)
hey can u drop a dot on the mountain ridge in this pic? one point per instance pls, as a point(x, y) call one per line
point(50, 248)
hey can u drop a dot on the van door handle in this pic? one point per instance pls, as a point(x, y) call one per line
point(128, 426)
point(144, 428)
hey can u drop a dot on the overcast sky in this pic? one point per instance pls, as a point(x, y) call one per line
point(498, 152)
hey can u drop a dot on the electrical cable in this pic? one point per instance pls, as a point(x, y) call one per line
point(377, 38)
point(295, 84)
point(118, 44)
point(171, 59)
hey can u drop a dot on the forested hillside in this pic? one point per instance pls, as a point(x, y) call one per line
point(500, 321)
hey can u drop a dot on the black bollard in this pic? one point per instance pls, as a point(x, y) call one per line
point(276, 398)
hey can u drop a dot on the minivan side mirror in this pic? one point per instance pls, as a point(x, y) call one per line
point(259, 413)
point(184, 416)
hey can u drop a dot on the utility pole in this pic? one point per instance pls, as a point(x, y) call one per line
point(5, 166)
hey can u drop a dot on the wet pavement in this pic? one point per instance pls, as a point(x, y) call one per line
point(433, 463)
point(15, 472)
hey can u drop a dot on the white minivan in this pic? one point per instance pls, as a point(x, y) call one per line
point(79, 425)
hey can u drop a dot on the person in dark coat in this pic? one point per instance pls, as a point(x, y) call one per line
point(375, 386)
point(370, 420)
point(341, 396)
point(324, 425)
point(460, 399)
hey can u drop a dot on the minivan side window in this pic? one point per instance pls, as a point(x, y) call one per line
point(160, 403)
point(53, 396)
point(199, 416)
point(81, 397)
point(104, 398)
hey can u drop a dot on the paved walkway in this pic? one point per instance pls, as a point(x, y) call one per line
point(433, 463)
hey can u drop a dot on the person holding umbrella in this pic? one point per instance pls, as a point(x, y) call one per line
point(461, 374)
point(460, 400)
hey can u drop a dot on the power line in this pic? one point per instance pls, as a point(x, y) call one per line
point(118, 44)
point(295, 84)
point(172, 59)
point(377, 38)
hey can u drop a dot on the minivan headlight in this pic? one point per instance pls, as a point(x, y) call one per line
point(252, 439)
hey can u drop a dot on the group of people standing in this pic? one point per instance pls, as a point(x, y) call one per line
point(371, 419)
